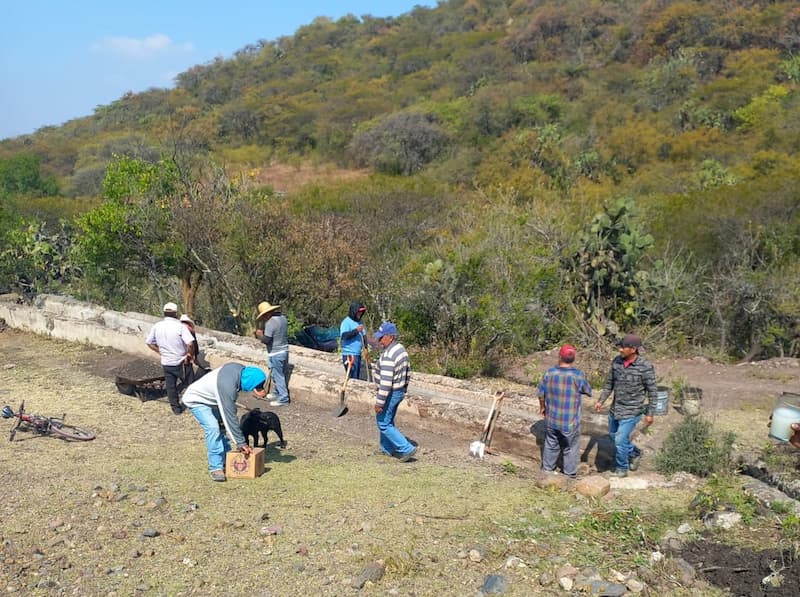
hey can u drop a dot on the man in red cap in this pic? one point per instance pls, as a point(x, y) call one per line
point(560, 404)
point(632, 379)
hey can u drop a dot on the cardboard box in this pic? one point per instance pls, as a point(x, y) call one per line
point(239, 467)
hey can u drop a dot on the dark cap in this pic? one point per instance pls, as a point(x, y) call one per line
point(567, 353)
point(630, 341)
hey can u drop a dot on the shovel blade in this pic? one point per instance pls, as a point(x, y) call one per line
point(341, 409)
point(474, 447)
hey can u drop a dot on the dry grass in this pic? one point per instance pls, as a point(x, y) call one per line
point(74, 513)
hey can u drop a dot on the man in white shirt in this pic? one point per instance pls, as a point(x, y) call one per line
point(173, 341)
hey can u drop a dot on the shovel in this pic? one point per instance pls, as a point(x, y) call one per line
point(267, 385)
point(341, 410)
point(365, 358)
point(477, 448)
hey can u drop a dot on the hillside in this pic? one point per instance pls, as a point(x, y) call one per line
point(528, 171)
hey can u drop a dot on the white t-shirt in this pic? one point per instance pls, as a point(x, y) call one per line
point(172, 339)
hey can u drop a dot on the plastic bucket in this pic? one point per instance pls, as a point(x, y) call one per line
point(690, 401)
point(787, 411)
point(662, 401)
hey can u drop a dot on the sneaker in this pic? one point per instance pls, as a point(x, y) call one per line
point(633, 462)
point(218, 476)
point(278, 403)
point(406, 457)
point(619, 473)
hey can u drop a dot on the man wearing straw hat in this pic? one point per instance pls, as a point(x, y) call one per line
point(275, 336)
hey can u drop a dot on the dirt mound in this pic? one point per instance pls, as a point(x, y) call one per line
point(745, 571)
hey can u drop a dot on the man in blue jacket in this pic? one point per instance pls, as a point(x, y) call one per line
point(212, 401)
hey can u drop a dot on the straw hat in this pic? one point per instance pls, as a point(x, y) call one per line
point(264, 308)
point(187, 319)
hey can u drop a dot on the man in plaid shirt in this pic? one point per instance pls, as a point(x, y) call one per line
point(560, 404)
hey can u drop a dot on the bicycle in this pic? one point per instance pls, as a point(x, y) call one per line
point(45, 425)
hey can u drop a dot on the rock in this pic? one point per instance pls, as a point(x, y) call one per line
point(585, 579)
point(271, 530)
point(566, 583)
point(685, 570)
point(634, 585)
point(685, 528)
point(546, 579)
point(722, 520)
point(656, 557)
point(593, 486)
point(372, 573)
point(150, 532)
point(476, 553)
point(264, 516)
point(494, 584)
point(551, 480)
point(514, 562)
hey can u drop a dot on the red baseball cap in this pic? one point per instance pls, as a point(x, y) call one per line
point(567, 352)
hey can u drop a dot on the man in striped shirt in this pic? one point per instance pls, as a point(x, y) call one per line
point(392, 374)
point(560, 404)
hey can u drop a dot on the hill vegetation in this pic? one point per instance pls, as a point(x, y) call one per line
point(495, 176)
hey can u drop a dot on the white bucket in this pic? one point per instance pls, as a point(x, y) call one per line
point(786, 412)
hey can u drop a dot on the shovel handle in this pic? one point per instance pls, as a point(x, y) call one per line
point(350, 360)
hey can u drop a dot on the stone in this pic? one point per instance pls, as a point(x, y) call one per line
point(546, 579)
point(150, 532)
point(722, 520)
point(634, 585)
point(476, 553)
point(494, 584)
point(593, 486)
point(685, 528)
point(566, 583)
point(373, 572)
point(551, 480)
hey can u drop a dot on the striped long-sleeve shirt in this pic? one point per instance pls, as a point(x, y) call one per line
point(634, 388)
point(392, 372)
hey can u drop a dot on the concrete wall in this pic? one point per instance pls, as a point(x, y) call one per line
point(438, 402)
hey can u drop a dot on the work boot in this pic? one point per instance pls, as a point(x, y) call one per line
point(619, 473)
point(406, 457)
point(218, 476)
point(633, 462)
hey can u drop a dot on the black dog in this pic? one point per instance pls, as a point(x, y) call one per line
point(257, 421)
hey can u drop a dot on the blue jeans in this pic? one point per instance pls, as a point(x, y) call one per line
point(356, 368)
point(392, 441)
point(217, 443)
point(279, 366)
point(620, 430)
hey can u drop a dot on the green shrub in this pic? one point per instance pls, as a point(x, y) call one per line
point(692, 447)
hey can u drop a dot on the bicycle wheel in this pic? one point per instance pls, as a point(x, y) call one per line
point(70, 432)
point(19, 413)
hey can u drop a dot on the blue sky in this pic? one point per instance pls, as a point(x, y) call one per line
point(61, 59)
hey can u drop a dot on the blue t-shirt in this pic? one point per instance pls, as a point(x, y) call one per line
point(353, 345)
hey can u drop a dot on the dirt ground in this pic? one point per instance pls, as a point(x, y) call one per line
point(84, 532)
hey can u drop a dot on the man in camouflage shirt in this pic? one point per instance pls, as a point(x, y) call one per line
point(632, 379)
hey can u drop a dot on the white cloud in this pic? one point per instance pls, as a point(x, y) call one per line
point(148, 47)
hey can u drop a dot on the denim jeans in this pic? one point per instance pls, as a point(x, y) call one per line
point(556, 440)
point(217, 443)
point(356, 368)
point(279, 366)
point(392, 441)
point(620, 430)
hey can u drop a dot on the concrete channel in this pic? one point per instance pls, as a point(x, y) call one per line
point(445, 405)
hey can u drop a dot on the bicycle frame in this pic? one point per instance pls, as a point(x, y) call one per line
point(44, 425)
